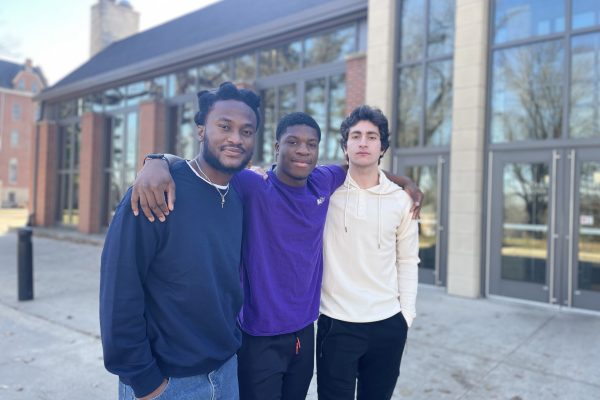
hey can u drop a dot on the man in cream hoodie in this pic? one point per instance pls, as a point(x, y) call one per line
point(370, 272)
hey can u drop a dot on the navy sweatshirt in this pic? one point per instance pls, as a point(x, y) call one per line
point(170, 292)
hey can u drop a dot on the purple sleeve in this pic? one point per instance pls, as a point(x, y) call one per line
point(334, 174)
point(245, 181)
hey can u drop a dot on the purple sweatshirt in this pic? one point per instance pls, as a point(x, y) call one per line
point(282, 249)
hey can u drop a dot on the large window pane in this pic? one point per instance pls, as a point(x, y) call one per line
point(584, 120)
point(440, 40)
point(185, 81)
point(212, 75)
point(115, 98)
point(268, 104)
point(287, 100)
point(527, 92)
point(288, 56)
point(585, 13)
point(438, 117)
point(132, 140)
point(245, 68)
point(525, 225)
point(316, 105)
point(185, 128)
point(329, 47)
point(589, 227)
point(410, 106)
point(337, 113)
point(412, 37)
point(117, 142)
point(267, 62)
point(521, 19)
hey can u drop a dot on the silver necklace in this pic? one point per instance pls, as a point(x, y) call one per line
point(213, 185)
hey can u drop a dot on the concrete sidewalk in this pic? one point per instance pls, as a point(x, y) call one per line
point(457, 348)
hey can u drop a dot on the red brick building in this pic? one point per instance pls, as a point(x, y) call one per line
point(18, 84)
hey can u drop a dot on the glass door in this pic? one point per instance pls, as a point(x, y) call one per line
point(544, 233)
point(582, 284)
point(430, 173)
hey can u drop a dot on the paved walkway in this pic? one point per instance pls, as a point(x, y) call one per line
point(457, 348)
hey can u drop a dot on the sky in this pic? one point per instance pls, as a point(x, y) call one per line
point(55, 34)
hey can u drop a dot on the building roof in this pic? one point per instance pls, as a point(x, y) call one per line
point(8, 71)
point(172, 41)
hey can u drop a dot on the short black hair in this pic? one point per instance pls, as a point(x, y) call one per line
point(293, 119)
point(226, 91)
point(366, 113)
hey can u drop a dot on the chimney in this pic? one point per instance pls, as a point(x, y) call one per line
point(112, 21)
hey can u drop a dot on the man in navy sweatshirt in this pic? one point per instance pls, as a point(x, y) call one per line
point(170, 293)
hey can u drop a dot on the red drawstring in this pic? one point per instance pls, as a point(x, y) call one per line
point(298, 346)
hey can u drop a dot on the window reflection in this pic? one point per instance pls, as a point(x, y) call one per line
point(520, 19)
point(337, 113)
point(212, 75)
point(245, 68)
point(439, 103)
point(268, 104)
point(426, 178)
point(527, 92)
point(412, 35)
point(410, 106)
point(526, 188)
point(185, 129)
point(186, 81)
point(440, 39)
point(589, 227)
point(68, 174)
point(316, 106)
point(584, 120)
point(329, 47)
point(585, 13)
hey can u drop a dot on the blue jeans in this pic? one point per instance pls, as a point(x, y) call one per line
point(220, 384)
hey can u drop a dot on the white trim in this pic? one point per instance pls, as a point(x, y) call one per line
point(17, 92)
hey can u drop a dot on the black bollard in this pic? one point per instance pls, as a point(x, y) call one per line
point(25, 264)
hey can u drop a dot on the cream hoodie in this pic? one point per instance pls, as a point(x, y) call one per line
point(371, 248)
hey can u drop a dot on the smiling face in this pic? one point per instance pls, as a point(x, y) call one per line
point(228, 135)
point(364, 145)
point(297, 153)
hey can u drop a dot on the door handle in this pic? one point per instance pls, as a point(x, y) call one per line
point(553, 234)
point(571, 224)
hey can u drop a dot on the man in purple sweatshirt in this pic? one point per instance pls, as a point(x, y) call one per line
point(282, 257)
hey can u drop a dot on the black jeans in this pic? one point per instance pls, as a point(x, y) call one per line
point(276, 367)
point(370, 352)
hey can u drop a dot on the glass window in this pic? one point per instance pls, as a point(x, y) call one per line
point(157, 87)
point(16, 112)
point(12, 170)
point(21, 84)
point(212, 75)
point(440, 39)
point(117, 142)
point(185, 81)
point(412, 36)
point(527, 92)
point(14, 138)
point(93, 103)
point(34, 87)
point(315, 101)
point(267, 62)
point(269, 107)
point(245, 68)
point(68, 174)
point(337, 113)
point(132, 140)
point(185, 129)
point(137, 92)
point(410, 106)
point(585, 13)
point(288, 56)
point(329, 47)
point(114, 98)
point(584, 120)
point(521, 19)
point(438, 110)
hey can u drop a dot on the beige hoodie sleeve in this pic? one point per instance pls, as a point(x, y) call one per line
point(407, 261)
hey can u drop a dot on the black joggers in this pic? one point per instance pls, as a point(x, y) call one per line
point(276, 367)
point(370, 352)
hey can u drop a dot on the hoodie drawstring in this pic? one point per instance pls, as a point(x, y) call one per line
point(379, 220)
point(346, 206)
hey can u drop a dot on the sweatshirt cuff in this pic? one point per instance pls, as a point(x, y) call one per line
point(408, 318)
point(147, 381)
